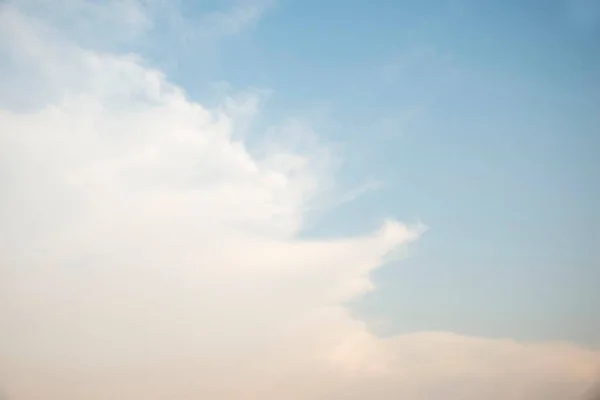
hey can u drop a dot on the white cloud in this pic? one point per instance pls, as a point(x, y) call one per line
point(146, 253)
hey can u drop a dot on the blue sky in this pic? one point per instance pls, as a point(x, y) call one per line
point(188, 187)
point(480, 118)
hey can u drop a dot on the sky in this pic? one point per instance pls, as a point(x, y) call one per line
point(266, 199)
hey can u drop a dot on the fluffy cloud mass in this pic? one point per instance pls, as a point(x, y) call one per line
point(147, 253)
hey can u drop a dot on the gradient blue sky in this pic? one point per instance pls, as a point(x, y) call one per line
point(480, 118)
point(170, 228)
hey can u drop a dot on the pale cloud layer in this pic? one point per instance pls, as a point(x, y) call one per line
point(146, 253)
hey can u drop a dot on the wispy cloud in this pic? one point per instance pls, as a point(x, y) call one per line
point(119, 20)
point(234, 19)
point(416, 56)
point(209, 26)
point(400, 123)
point(147, 253)
point(133, 23)
point(355, 193)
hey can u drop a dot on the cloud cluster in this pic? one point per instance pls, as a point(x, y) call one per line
point(146, 253)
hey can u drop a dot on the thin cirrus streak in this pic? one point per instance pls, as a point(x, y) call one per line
point(146, 253)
